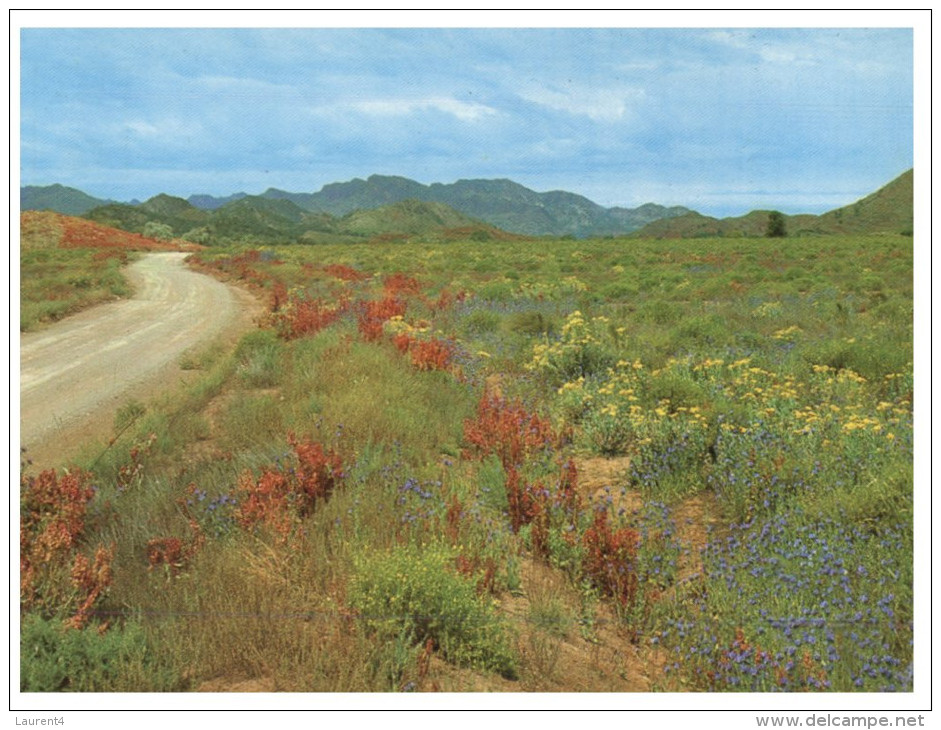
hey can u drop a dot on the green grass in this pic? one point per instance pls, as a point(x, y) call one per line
point(58, 282)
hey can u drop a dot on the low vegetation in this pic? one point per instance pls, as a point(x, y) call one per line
point(67, 264)
point(574, 466)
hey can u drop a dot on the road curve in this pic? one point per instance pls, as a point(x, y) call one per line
point(89, 364)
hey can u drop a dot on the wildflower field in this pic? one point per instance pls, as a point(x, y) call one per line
point(549, 465)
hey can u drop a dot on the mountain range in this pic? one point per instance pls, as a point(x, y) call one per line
point(503, 204)
point(397, 206)
point(254, 219)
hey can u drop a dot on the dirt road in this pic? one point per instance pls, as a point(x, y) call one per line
point(75, 374)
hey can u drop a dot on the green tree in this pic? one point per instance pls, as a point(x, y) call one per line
point(160, 231)
point(201, 235)
point(777, 226)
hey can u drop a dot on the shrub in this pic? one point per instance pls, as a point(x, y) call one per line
point(584, 348)
point(202, 235)
point(90, 581)
point(400, 283)
point(530, 323)
point(344, 273)
point(160, 231)
point(507, 429)
point(302, 315)
point(433, 354)
point(609, 559)
point(371, 316)
point(419, 592)
point(280, 497)
point(619, 291)
point(480, 321)
point(52, 522)
point(608, 431)
point(53, 659)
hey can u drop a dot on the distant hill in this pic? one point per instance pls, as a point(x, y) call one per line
point(256, 217)
point(176, 213)
point(409, 217)
point(338, 199)
point(58, 198)
point(888, 210)
point(267, 219)
point(501, 203)
point(695, 225)
point(386, 205)
point(208, 202)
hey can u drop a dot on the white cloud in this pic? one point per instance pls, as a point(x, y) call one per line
point(787, 49)
point(465, 111)
point(598, 104)
point(168, 130)
point(142, 128)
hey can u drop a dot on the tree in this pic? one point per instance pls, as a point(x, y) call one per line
point(777, 226)
point(160, 231)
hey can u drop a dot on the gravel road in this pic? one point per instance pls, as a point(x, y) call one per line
point(76, 373)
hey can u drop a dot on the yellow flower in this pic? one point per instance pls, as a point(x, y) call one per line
point(787, 333)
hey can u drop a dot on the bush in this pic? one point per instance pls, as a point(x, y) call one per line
point(281, 497)
point(160, 231)
point(584, 348)
point(530, 323)
point(418, 591)
point(609, 559)
point(54, 659)
point(201, 235)
point(481, 321)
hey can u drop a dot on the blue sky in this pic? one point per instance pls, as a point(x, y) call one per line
point(720, 120)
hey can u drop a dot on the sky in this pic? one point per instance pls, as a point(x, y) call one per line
point(721, 120)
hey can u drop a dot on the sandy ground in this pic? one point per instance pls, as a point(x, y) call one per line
point(76, 373)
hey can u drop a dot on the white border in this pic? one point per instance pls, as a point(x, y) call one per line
point(734, 710)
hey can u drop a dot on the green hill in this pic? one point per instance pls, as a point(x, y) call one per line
point(695, 225)
point(120, 215)
point(257, 218)
point(501, 203)
point(58, 198)
point(167, 210)
point(888, 210)
point(260, 219)
point(410, 217)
